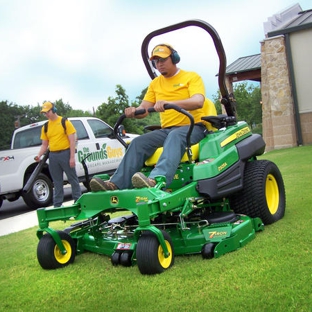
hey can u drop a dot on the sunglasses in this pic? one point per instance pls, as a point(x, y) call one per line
point(160, 60)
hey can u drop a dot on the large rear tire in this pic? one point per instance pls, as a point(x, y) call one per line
point(263, 194)
point(49, 255)
point(150, 254)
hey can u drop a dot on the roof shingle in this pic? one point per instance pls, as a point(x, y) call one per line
point(246, 63)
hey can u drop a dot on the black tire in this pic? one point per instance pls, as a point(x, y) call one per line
point(1, 201)
point(207, 251)
point(263, 195)
point(49, 255)
point(125, 259)
point(40, 194)
point(150, 256)
point(115, 258)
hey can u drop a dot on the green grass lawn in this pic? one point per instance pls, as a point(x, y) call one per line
point(271, 273)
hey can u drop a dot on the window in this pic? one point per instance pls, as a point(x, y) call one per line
point(27, 138)
point(100, 129)
point(80, 129)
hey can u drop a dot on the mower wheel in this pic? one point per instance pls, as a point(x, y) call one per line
point(263, 194)
point(207, 251)
point(49, 254)
point(150, 255)
point(125, 259)
point(115, 258)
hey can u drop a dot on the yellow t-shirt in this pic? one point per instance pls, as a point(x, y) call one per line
point(179, 87)
point(58, 139)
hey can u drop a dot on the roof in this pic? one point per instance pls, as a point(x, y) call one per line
point(244, 64)
point(297, 20)
point(303, 20)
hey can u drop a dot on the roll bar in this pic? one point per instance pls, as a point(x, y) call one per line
point(226, 100)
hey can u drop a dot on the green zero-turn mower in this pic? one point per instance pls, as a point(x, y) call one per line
point(220, 197)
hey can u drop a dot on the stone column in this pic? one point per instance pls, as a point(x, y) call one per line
point(277, 103)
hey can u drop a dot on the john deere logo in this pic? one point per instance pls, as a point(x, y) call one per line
point(114, 200)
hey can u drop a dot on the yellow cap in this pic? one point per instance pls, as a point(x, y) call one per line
point(160, 51)
point(46, 106)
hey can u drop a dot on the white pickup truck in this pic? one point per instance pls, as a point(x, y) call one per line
point(95, 137)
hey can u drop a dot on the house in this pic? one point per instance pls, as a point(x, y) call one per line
point(283, 67)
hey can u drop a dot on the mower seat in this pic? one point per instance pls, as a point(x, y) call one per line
point(209, 110)
point(151, 161)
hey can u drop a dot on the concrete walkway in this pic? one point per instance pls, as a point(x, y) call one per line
point(18, 223)
point(21, 222)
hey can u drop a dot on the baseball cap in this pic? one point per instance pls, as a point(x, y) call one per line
point(160, 51)
point(46, 106)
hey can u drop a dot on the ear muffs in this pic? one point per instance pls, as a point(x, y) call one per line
point(175, 57)
point(54, 110)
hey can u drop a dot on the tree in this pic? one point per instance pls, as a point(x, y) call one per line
point(248, 104)
point(115, 107)
point(10, 118)
point(248, 99)
point(217, 102)
point(14, 116)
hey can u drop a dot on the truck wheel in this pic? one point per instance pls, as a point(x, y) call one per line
point(40, 194)
point(263, 194)
point(150, 255)
point(1, 201)
point(49, 255)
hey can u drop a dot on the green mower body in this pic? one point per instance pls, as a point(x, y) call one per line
point(215, 204)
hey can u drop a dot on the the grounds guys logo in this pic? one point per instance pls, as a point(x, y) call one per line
point(106, 152)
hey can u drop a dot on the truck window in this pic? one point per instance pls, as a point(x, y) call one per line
point(100, 129)
point(82, 133)
point(27, 138)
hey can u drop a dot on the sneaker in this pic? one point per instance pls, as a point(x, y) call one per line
point(139, 180)
point(97, 184)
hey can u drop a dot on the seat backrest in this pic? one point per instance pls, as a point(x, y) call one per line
point(209, 110)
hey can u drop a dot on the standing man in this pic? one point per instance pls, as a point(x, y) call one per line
point(60, 136)
point(174, 86)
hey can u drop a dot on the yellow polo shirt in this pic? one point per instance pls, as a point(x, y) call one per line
point(179, 87)
point(58, 139)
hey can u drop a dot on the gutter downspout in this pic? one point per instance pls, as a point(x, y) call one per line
point(293, 89)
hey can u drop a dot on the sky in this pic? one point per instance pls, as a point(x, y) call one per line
point(79, 50)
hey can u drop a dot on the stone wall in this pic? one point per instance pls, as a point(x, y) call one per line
point(306, 127)
point(277, 103)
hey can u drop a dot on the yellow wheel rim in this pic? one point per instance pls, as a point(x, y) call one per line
point(272, 193)
point(164, 262)
point(59, 257)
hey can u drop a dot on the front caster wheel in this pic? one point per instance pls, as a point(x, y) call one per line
point(125, 259)
point(150, 254)
point(49, 255)
point(208, 251)
point(115, 258)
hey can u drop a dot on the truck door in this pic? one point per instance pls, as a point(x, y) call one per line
point(106, 152)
